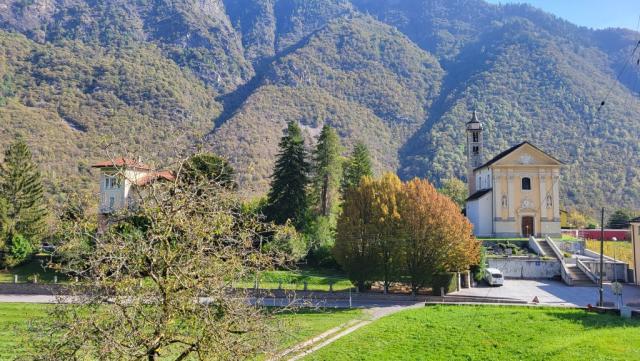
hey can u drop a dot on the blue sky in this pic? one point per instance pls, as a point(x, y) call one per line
point(592, 13)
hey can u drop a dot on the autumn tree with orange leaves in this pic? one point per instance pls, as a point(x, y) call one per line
point(436, 237)
point(394, 231)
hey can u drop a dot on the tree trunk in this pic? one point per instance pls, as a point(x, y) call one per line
point(325, 196)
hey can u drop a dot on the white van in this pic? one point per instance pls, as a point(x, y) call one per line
point(494, 277)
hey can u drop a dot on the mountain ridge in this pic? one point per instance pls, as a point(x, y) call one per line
point(401, 76)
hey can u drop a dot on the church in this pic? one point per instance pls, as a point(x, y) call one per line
point(514, 194)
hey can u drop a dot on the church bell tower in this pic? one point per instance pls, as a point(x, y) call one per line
point(474, 150)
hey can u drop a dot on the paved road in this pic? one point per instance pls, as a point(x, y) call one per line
point(552, 292)
point(376, 306)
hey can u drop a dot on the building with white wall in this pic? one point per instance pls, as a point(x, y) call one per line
point(120, 178)
point(516, 193)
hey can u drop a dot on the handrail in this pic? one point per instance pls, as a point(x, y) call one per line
point(555, 249)
point(587, 271)
point(563, 264)
point(533, 243)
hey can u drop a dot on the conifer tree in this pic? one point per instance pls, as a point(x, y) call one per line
point(358, 166)
point(287, 199)
point(327, 171)
point(21, 186)
point(4, 222)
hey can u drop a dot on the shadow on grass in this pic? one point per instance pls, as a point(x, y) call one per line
point(593, 320)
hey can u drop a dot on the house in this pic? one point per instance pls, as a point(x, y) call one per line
point(120, 178)
point(514, 194)
point(635, 248)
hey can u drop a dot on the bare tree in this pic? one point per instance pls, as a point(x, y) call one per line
point(156, 281)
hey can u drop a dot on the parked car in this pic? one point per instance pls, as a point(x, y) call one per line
point(48, 247)
point(494, 277)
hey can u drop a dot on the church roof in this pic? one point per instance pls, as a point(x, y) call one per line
point(479, 194)
point(474, 118)
point(511, 150)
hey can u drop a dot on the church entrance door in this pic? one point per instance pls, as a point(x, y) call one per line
point(527, 226)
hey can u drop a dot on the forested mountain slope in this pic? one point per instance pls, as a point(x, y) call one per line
point(159, 76)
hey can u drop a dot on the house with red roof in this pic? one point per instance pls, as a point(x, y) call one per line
point(120, 178)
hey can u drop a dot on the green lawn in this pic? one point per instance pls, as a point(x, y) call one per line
point(317, 280)
point(295, 327)
point(26, 271)
point(14, 319)
point(490, 333)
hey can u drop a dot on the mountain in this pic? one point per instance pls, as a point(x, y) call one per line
point(158, 77)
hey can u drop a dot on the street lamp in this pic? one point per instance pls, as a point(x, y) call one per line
point(601, 290)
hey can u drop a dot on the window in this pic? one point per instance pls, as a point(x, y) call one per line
point(526, 184)
point(112, 202)
point(111, 183)
point(476, 150)
point(475, 137)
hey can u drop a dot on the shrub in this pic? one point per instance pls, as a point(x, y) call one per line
point(19, 249)
point(448, 281)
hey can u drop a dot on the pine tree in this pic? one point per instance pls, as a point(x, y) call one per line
point(287, 199)
point(358, 166)
point(327, 171)
point(21, 186)
point(4, 222)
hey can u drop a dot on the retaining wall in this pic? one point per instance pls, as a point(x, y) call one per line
point(514, 267)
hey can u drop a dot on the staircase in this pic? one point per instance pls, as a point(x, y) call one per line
point(577, 276)
point(546, 248)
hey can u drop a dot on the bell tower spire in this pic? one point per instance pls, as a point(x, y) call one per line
point(474, 149)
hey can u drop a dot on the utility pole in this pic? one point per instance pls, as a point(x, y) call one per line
point(601, 304)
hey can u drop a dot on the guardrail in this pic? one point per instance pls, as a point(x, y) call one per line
point(587, 271)
point(563, 264)
point(535, 246)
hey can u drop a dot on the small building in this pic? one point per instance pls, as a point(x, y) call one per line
point(635, 248)
point(514, 194)
point(120, 177)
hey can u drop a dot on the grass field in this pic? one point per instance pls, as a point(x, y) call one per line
point(620, 250)
point(294, 327)
point(490, 333)
point(317, 280)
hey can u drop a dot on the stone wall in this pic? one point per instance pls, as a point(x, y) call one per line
point(525, 267)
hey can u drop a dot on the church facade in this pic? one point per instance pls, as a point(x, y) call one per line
point(516, 193)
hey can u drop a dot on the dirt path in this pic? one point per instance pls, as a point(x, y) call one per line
point(305, 348)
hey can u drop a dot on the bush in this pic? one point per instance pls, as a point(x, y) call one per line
point(448, 281)
point(18, 250)
point(478, 270)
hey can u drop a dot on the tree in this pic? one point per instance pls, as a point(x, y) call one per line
point(327, 173)
point(354, 250)
point(210, 167)
point(385, 230)
point(325, 192)
point(455, 189)
point(161, 277)
point(287, 199)
point(578, 220)
point(21, 186)
point(437, 238)
point(358, 166)
point(18, 250)
point(4, 222)
point(620, 219)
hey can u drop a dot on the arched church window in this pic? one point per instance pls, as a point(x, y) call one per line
point(476, 150)
point(526, 184)
point(475, 137)
point(549, 201)
point(505, 202)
